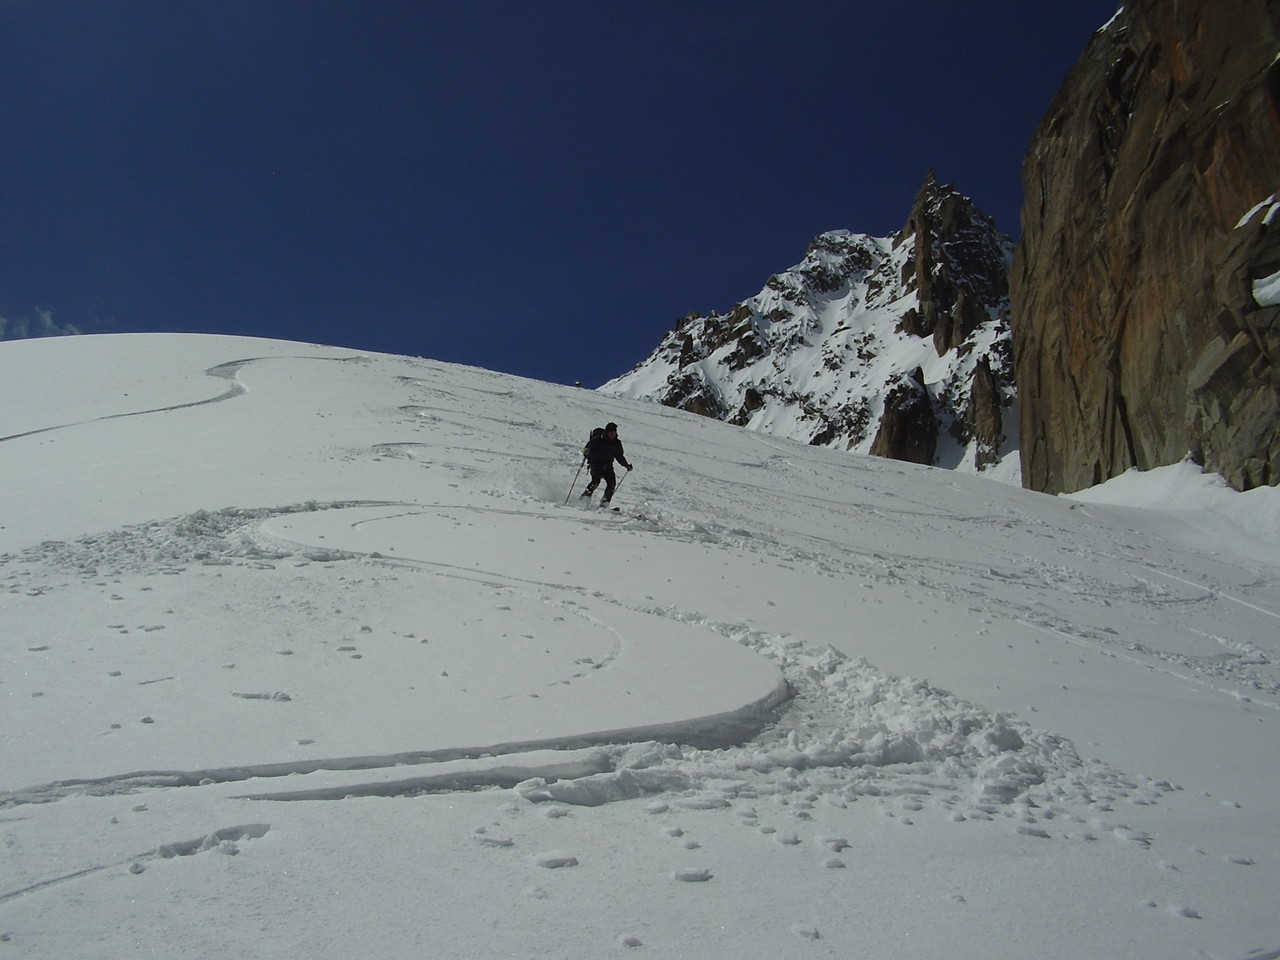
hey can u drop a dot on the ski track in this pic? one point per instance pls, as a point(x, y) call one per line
point(848, 734)
point(223, 371)
point(225, 841)
point(1218, 593)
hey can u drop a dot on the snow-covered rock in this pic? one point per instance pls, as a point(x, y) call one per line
point(897, 346)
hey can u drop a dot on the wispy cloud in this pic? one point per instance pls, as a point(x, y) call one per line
point(41, 324)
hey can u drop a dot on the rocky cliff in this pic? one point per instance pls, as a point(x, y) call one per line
point(1146, 285)
point(898, 346)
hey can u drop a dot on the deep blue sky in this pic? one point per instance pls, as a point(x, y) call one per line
point(540, 188)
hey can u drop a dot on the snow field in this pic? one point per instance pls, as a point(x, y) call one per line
point(324, 665)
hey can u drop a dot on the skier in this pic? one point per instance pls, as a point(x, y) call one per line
point(601, 451)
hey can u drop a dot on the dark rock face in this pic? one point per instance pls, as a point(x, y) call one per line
point(985, 418)
point(908, 427)
point(958, 271)
point(1145, 325)
point(693, 392)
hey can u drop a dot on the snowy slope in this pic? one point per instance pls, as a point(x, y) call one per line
point(329, 612)
point(826, 345)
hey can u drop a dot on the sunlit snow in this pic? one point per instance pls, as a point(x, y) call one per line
point(307, 656)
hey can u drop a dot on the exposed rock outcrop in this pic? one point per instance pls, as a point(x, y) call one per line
point(908, 427)
point(986, 414)
point(880, 345)
point(1146, 286)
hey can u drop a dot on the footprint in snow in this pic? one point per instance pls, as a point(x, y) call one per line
point(487, 841)
point(692, 876)
point(555, 861)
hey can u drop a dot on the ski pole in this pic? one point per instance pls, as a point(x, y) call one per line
point(574, 484)
point(618, 485)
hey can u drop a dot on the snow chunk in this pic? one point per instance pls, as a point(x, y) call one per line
point(1269, 204)
point(1266, 290)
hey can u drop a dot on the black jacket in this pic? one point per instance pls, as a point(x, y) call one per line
point(601, 451)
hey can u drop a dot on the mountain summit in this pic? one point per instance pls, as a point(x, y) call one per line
point(897, 346)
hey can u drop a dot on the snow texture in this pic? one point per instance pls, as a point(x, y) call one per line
point(310, 653)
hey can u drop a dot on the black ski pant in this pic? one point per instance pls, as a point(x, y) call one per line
point(602, 471)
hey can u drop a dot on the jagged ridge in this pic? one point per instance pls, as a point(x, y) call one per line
point(897, 346)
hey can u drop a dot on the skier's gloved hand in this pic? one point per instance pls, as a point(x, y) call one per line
point(629, 467)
